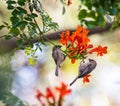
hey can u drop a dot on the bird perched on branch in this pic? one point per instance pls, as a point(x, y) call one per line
point(58, 57)
point(84, 69)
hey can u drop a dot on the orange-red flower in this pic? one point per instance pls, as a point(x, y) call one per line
point(86, 78)
point(100, 50)
point(69, 2)
point(65, 37)
point(76, 43)
point(73, 60)
point(63, 90)
point(39, 96)
point(49, 95)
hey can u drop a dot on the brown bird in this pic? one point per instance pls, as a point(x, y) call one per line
point(58, 57)
point(84, 69)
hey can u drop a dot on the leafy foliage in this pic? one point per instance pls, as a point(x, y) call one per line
point(23, 25)
point(6, 75)
point(94, 13)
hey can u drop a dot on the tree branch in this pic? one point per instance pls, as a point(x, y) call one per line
point(11, 44)
point(56, 35)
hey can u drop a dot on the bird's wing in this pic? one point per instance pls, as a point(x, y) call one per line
point(83, 66)
point(84, 71)
point(55, 56)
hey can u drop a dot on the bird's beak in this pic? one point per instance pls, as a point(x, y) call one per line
point(90, 59)
point(59, 46)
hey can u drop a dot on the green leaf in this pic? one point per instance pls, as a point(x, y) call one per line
point(10, 2)
point(40, 48)
point(21, 2)
point(100, 11)
point(20, 44)
point(21, 10)
point(32, 61)
point(88, 4)
point(31, 7)
point(14, 20)
point(2, 26)
point(28, 18)
point(15, 12)
point(22, 24)
point(82, 14)
point(23, 36)
point(14, 31)
point(43, 42)
point(30, 45)
point(113, 11)
point(100, 20)
point(33, 15)
point(10, 7)
point(5, 23)
point(63, 10)
point(91, 14)
point(8, 37)
point(33, 24)
point(91, 24)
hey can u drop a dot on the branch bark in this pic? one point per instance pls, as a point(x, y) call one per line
point(11, 44)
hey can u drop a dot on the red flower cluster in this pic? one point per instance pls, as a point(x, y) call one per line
point(77, 44)
point(49, 96)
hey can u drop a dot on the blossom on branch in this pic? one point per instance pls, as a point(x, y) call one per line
point(78, 44)
point(63, 90)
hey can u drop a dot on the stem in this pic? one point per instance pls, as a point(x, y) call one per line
point(39, 9)
point(38, 27)
point(42, 104)
point(65, 52)
point(60, 101)
point(51, 104)
point(49, 41)
point(40, 32)
point(36, 23)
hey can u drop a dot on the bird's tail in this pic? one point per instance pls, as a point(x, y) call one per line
point(73, 80)
point(56, 71)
